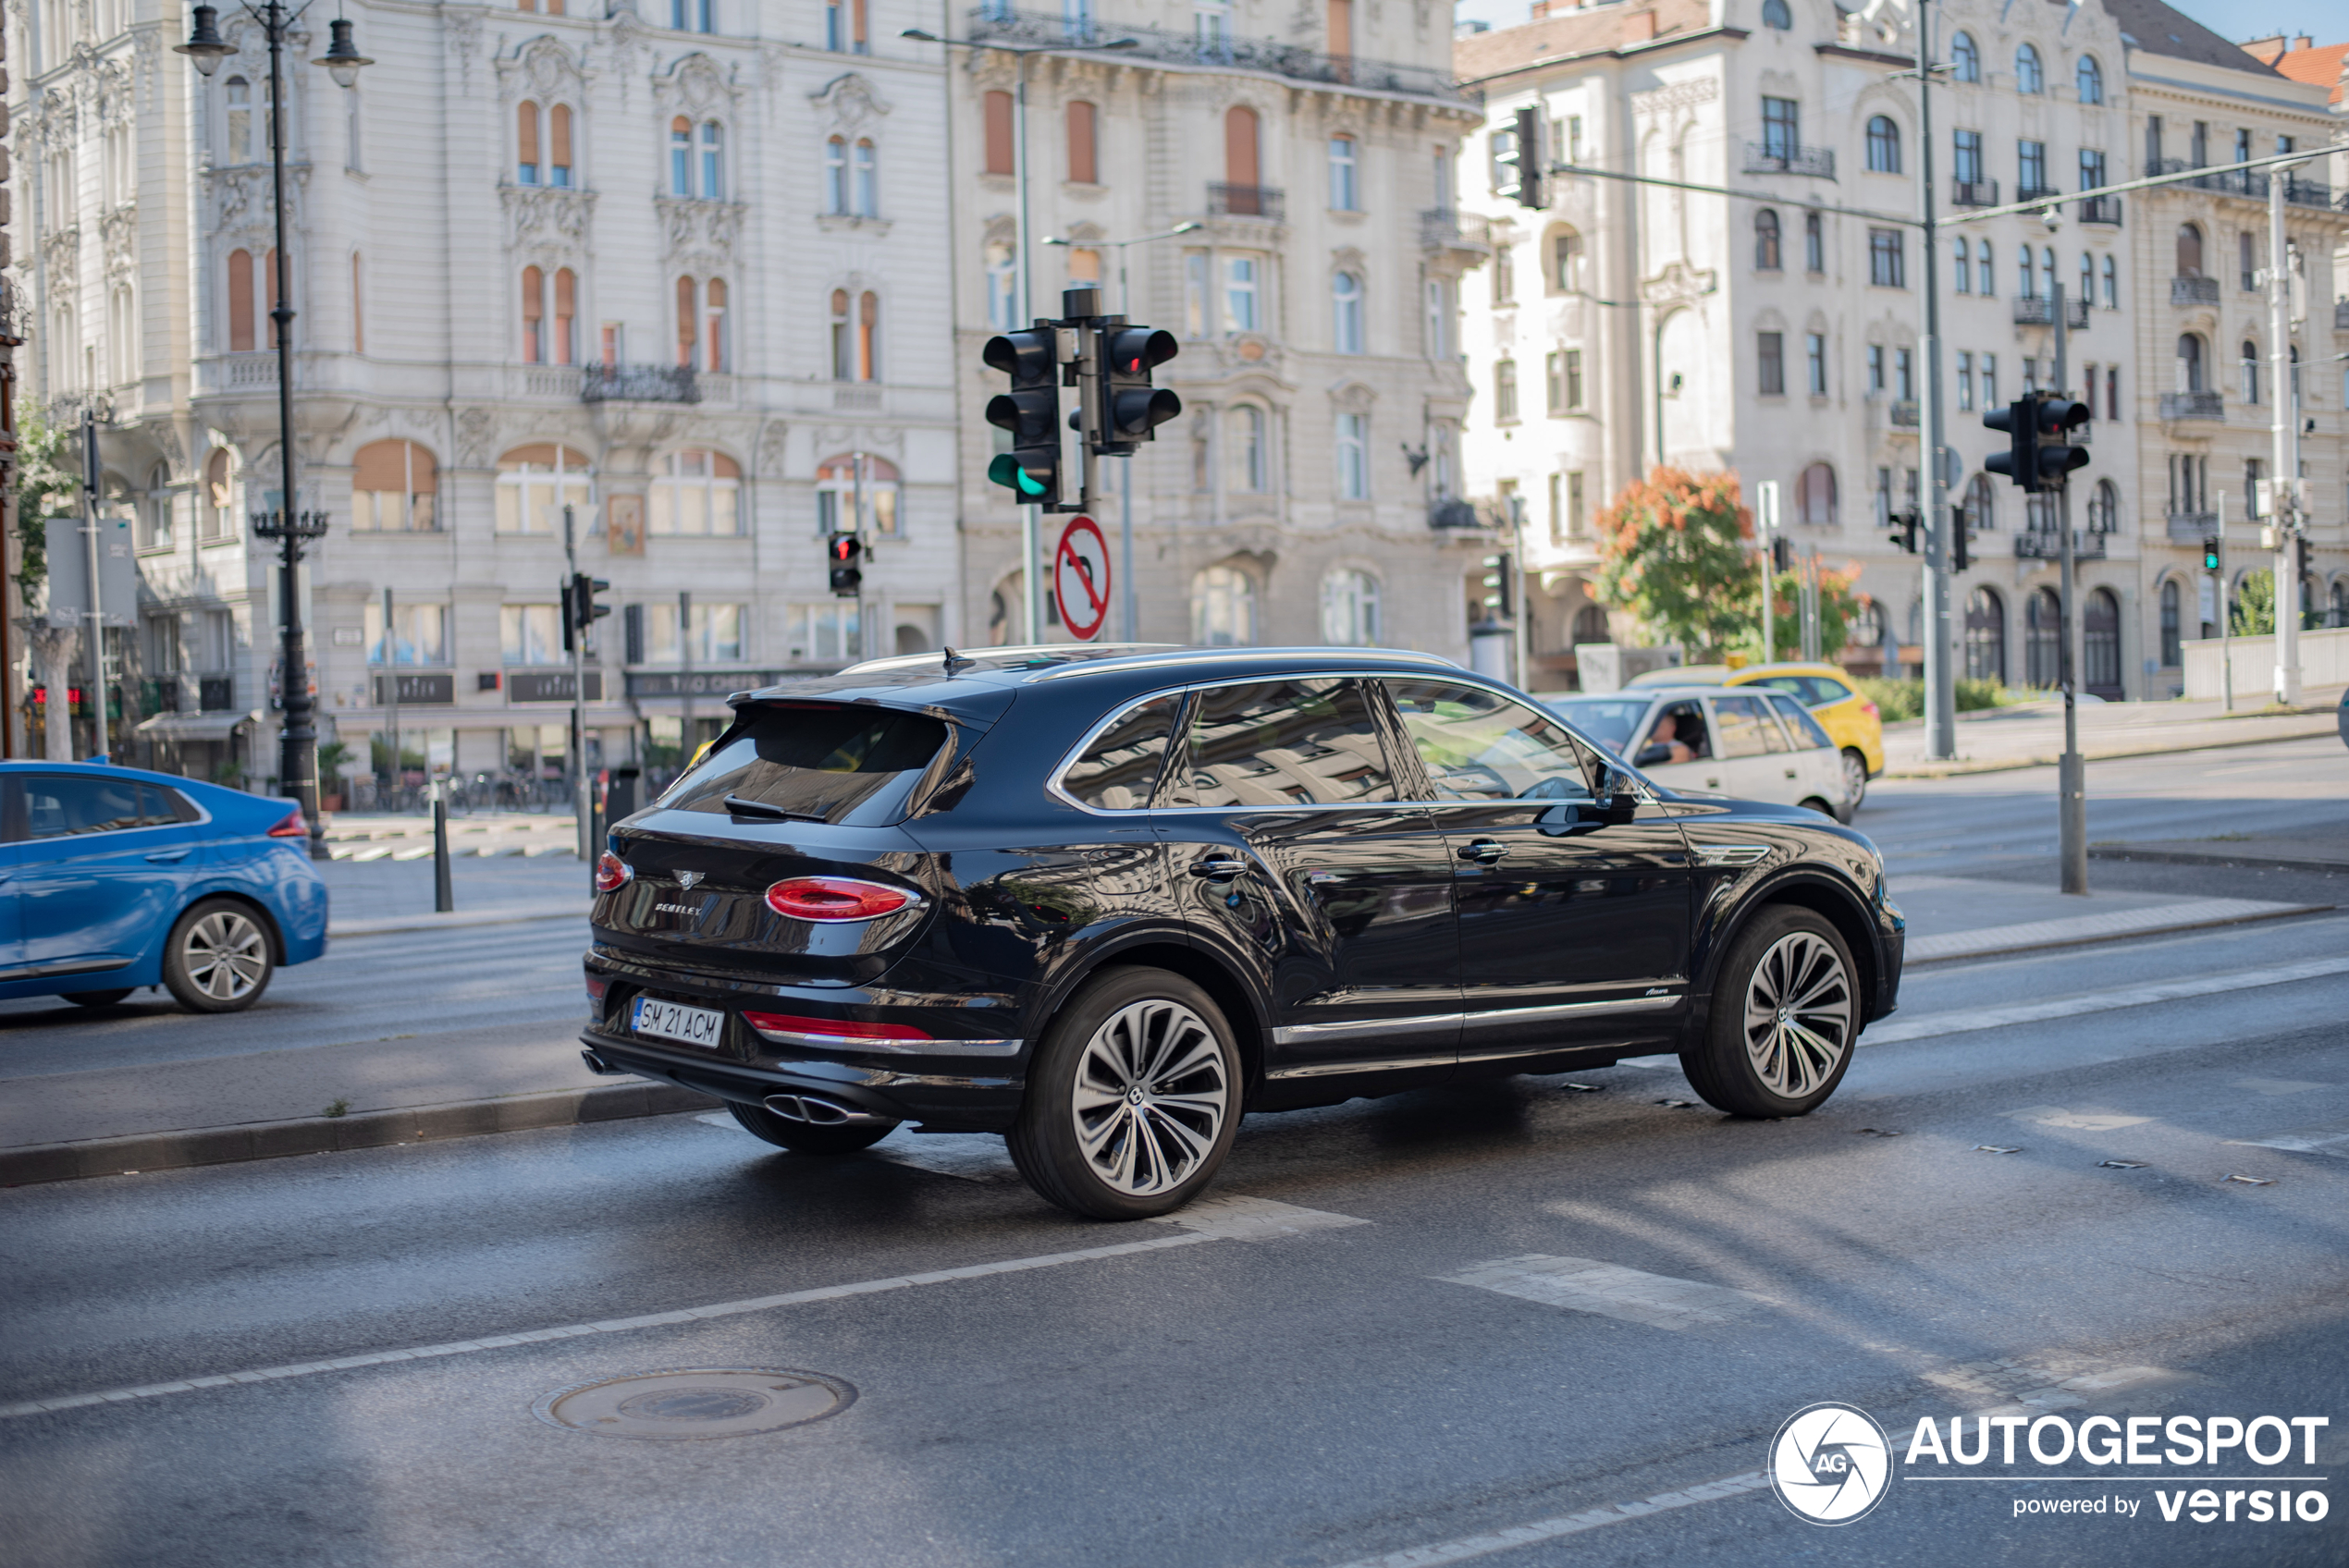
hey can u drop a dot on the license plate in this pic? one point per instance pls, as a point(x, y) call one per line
point(675, 1020)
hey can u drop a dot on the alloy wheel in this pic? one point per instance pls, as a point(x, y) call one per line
point(1855, 781)
point(225, 954)
point(1150, 1097)
point(1798, 1014)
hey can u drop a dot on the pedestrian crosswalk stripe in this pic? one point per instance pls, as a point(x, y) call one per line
point(1934, 1025)
point(1632, 1296)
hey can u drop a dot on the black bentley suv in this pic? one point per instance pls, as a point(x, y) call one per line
point(1102, 901)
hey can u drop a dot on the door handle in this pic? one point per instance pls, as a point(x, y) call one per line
point(1789, 773)
point(1713, 783)
point(1484, 850)
point(168, 857)
point(1218, 868)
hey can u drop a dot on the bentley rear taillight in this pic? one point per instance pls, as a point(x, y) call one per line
point(611, 873)
point(833, 898)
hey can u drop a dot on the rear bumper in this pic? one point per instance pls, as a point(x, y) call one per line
point(1892, 946)
point(946, 1102)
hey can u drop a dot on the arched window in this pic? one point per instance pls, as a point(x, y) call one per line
point(358, 303)
point(2339, 614)
point(1084, 162)
point(1883, 145)
point(1346, 193)
point(1986, 636)
point(2089, 78)
point(394, 485)
point(1223, 608)
point(2087, 292)
point(1981, 507)
point(218, 504)
point(688, 323)
point(713, 162)
point(1767, 254)
point(1965, 59)
point(716, 339)
point(1566, 262)
point(2042, 639)
point(239, 302)
point(1246, 435)
point(2189, 251)
point(534, 316)
point(1777, 13)
point(1353, 456)
point(1242, 167)
point(1815, 496)
point(2190, 366)
point(2111, 285)
point(2250, 371)
point(996, 113)
point(2028, 76)
point(526, 142)
point(2104, 508)
point(836, 174)
point(566, 335)
point(122, 337)
point(1345, 302)
point(1985, 273)
point(2026, 280)
point(535, 484)
point(1961, 269)
point(843, 337)
point(2173, 637)
point(857, 491)
point(559, 158)
point(866, 176)
point(1815, 243)
point(1590, 626)
point(694, 493)
point(1349, 609)
point(239, 106)
point(681, 156)
point(1002, 286)
point(868, 336)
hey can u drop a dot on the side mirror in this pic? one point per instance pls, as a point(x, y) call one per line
point(1622, 808)
point(1651, 756)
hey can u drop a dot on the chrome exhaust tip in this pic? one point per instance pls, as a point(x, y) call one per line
point(817, 1111)
point(600, 1067)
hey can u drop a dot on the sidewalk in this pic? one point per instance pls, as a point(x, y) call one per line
point(367, 898)
point(2030, 734)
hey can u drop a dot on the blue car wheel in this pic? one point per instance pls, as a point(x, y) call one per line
point(217, 958)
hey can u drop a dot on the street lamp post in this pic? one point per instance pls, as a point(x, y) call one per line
point(298, 738)
point(1128, 612)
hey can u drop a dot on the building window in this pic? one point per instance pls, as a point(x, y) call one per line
point(1980, 508)
point(1962, 270)
point(2173, 649)
point(535, 484)
point(1985, 277)
point(996, 114)
point(681, 156)
point(690, 15)
point(713, 634)
point(1504, 274)
point(855, 327)
point(1883, 145)
point(2030, 168)
point(1344, 173)
point(1084, 165)
point(1966, 382)
point(252, 295)
point(713, 162)
point(239, 106)
point(1815, 243)
point(836, 200)
point(1240, 277)
point(2190, 370)
point(1887, 258)
point(216, 507)
point(1965, 58)
point(2189, 251)
point(1578, 513)
point(1353, 456)
point(696, 494)
point(2028, 76)
point(529, 634)
point(558, 155)
point(858, 491)
point(394, 487)
point(1777, 15)
point(1243, 161)
point(1989, 381)
point(1439, 319)
point(526, 142)
point(1965, 156)
point(1815, 496)
point(1782, 137)
point(1346, 299)
point(1815, 359)
point(2089, 80)
point(2091, 169)
point(1349, 609)
point(419, 635)
point(1766, 256)
point(2250, 371)
point(2025, 280)
point(1245, 427)
point(534, 316)
point(824, 633)
point(1904, 374)
point(2086, 294)
point(688, 324)
point(1002, 288)
point(1223, 608)
point(717, 335)
point(1770, 356)
point(1566, 262)
point(1505, 391)
point(865, 179)
point(1563, 374)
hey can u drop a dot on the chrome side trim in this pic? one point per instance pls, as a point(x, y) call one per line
point(1307, 1034)
point(1729, 854)
point(1570, 1010)
point(1340, 1069)
point(901, 1047)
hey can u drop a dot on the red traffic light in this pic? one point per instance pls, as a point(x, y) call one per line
point(845, 548)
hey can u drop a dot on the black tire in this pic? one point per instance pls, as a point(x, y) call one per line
point(805, 1137)
point(1133, 1097)
point(98, 999)
point(1855, 778)
point(219, 957)
point(1816, 805)
point(1774, 1060)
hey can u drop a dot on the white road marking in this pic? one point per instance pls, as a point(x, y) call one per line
point(1934, 1025)
point(2032, 935)
point(2279, 1085)
point(2076, 1121)
point(1251, 1219)
point(969, 1157)
point(1570, 1524)
point(1583, 1284)
point(2332, 1138)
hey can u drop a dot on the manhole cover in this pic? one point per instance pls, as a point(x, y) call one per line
point(701, 1403)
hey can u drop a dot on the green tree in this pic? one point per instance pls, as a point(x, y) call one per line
point(1673, 551)
point(1839, 611)
point(48, 485)
point(2254, 613)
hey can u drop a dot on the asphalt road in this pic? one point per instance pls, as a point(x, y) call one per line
point(1323, 1395)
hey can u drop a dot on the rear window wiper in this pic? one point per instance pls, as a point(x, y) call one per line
point(742, 806)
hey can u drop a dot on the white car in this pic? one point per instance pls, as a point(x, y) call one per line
point(1748, 741)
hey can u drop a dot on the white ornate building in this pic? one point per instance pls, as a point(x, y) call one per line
point(676, 268)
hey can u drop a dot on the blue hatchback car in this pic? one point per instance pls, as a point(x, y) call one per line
point(111, 879)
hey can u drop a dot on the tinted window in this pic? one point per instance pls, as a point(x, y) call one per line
point(1816, 690)
point(1479, 746)
point(1608, 720)
point(1676, 734)
point(810, 760)
point(1120, 769)
point(58, 805)
point(1747, 728)
point(1283, 743)
point(1799, 723)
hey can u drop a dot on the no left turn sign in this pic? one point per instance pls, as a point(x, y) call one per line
point(1080, 578)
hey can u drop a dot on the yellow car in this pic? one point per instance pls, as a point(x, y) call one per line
point(1850, 719)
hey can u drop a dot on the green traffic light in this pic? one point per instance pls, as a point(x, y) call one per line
point(1005, 470)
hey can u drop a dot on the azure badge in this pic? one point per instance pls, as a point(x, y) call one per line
point(1830, 1464)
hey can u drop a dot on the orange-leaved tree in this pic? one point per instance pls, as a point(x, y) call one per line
point(1674, 550)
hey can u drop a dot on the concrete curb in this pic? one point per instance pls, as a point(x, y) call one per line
point(323, 1134)
point(2187, 857)
point(2009, 765)
point(2289, 911)
point(506, 915)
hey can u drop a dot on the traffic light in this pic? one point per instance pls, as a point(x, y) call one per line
point(1030, 411)
point(2210, 552)
point(1960, 535)
point(1517, 151)
point(580, 609)
point(1781, 554)
point(844, 551)
point(2020, 461)
point(2040, 453)
point(2057, 419)
point(1132, 409)
point(1500, 585)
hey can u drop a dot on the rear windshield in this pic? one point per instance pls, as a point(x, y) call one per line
point(813, 761)
point(1608, 720)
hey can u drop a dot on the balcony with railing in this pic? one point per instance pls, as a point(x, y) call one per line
point(2193, 291)
point(2301, 192)
point(1444, 228)
point(638, 383)
point(2047, 193)
point(1787, 158)
point(1077, 28)
point(2340, 315)
point(2038, 310)
point(1901, 413)
point(1454, 513)
point(2207, 405)
point(2192, 528)
point(2101, 209)
point(1246, 201)
point(2046, 545)
point(1974, 193)
point(2249, 183)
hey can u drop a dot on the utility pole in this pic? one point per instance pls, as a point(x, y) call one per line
point(2072, 780)
point(90, 476)
point(1940, 687)
point(1765, 509)
point(582, 789)
point(2284, 510)
point(685, 680)
point(391, 699)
